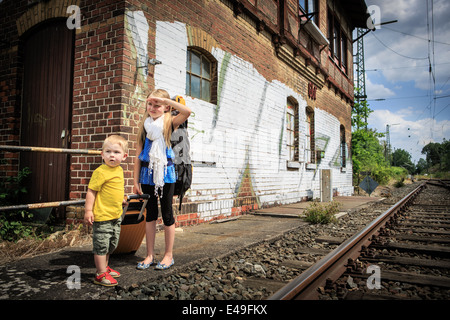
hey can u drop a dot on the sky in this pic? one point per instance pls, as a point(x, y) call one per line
point(401, 90)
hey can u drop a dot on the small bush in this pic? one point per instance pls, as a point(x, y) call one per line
point(400, 183)
point(322, 213)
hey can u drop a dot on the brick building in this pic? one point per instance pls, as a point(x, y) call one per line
point(270, 84)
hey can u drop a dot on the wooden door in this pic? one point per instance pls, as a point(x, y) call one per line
point(46, 109)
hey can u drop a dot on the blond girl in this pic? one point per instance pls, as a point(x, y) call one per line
point(154, 171)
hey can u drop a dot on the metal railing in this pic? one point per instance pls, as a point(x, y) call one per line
point(47, 150)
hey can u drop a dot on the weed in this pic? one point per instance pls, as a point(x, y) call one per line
point(322, 213)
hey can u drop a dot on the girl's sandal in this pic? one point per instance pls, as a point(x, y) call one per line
point(144, 266)
point(162, 266)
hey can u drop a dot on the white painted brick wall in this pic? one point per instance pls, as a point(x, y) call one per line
point(250, 118)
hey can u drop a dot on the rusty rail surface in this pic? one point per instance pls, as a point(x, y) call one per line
point(333, 265)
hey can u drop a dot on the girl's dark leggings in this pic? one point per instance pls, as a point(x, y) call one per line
point(165, 202)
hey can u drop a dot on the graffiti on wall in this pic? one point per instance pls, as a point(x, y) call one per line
point(244, 132)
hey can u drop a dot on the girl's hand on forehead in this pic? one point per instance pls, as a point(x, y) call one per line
point(155, 100)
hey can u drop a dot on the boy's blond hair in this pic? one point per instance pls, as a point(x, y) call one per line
point(116, 139)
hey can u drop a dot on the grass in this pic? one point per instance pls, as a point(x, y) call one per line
point(322, 213)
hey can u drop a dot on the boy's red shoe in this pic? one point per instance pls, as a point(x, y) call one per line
point(112, 272)
point(105, 279)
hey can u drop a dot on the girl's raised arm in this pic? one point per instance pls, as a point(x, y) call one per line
point(184, 111)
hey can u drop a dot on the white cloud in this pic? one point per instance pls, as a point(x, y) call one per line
point(410, 136)
point(391, 47)
point(377, 91)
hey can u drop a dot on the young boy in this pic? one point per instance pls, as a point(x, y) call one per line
point(103, 207)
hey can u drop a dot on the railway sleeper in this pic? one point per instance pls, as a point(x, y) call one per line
point(429, 225)
point(422, 238)
point(426, 220)
point(428, 263)
point(424, 230)
point(417, 248)
point(406, 277)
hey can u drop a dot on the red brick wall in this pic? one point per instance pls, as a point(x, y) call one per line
point(10, 84)
point(105, 72)
point(98, 87)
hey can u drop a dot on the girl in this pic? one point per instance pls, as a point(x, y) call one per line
point(154, 171)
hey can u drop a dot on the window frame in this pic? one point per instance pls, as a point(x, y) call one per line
point(306, 9)
point(211, 97)
point(343, 147)
point(292, 128)
point(309, 133)
point(338, 49)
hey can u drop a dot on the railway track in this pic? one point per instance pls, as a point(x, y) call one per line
point(303, 263)
point(403, 254)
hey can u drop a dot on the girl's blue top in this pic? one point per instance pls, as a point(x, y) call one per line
point(146, 175)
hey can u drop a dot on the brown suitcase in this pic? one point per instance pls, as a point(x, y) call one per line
point(132, 230)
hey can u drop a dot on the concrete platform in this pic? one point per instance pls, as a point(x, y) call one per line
point(294, 210)
point(45, 277)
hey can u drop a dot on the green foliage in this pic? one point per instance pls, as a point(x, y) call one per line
point(401, 158)
point(12, 188)
point(322, 213)
point(12, 227)
point(438, 155)
point(360, 113)
point(421, 166)
point(368, 154)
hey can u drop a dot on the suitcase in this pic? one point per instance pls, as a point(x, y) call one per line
point(132, 230)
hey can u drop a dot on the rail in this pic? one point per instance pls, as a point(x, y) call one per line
point(332, 266)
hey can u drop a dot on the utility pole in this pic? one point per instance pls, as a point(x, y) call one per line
point(388, 152)
point(359, 62)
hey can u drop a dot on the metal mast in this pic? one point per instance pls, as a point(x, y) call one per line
point(360, 69)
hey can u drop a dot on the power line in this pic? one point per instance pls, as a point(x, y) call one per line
point(411, 67)
point(410, 97)
point(402, 55)
point(412, 35)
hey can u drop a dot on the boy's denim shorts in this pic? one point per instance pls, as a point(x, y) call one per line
point(105, 236)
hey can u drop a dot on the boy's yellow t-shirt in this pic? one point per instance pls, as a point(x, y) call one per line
point(109, 184)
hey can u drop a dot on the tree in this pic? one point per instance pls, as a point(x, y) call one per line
point(446, 154)
point(433, 152)
point(438, 154)
point(367, 152)
point(402, 158)
point(422, 166)
point(360, 113)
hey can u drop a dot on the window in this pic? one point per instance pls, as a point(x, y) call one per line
point(344, 56)
point(338, 42)
point(199, 75)
point(310, 6)
point(343, 147)
point(310, 147)
point(292, 130)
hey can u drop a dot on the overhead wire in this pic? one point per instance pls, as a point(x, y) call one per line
point(431, 64)
point(398, 53)
point(412, 35)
